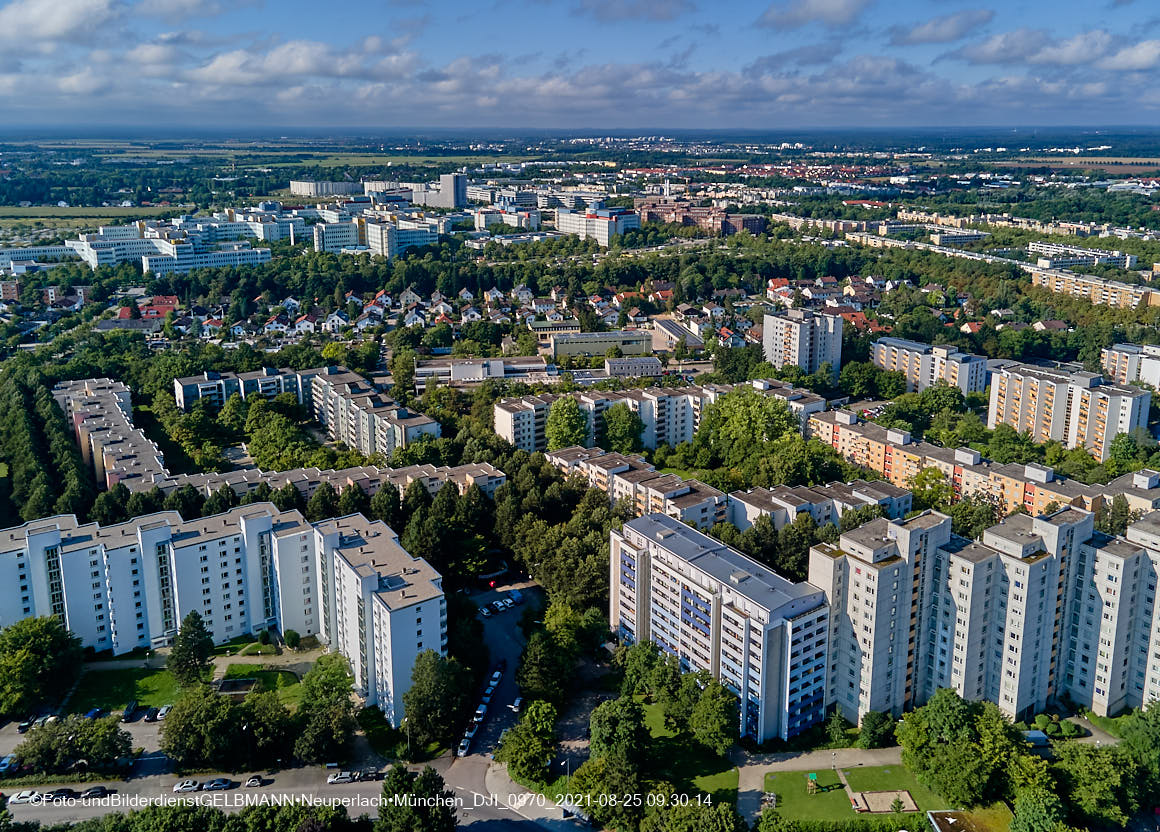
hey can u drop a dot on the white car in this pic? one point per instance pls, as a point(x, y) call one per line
point(464, 747)
point(164, 712)
point(485, 612)
point(498, 605)
point(508, 603)
point(341, 777)
point(26, 796)
point(519, 703)
point(185, 786)
point(480, 713)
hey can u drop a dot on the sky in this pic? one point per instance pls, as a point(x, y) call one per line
point(582, 65)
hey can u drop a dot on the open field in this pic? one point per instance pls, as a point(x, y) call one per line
point(689, 766)
point(893, 778)
point(36, 212)
point(1109, 164)
point(830, 802)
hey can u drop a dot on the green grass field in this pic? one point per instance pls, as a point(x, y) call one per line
point(112, 690)
point(34, 212)
point(282, 682)
point(830, 802)
point(688, 765)
point(258, 649)
point(889, 778)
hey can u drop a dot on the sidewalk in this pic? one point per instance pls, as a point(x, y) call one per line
point(524, 803)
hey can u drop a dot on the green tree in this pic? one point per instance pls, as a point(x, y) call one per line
point(202, 730)
point(326, 711)
point(566, 425)
point(323, 504)
point(1037, 810)
point(353, 500)
point(415, 802)
point(528, 745)
point(622, 429)
point(75, 742)
point(930, 489)
point(876, 731)
point(543, 671)
point(192, 647)
point(1102, 784)
point(39, 662)
point(437, 698)
point(714, 718)
point(618, 731)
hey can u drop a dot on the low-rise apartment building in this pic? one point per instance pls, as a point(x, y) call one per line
point(216, 388)
point(356, 414)
point(763, 636)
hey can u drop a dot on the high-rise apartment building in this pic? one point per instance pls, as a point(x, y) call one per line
point(1077, 409)
point(925, 365)
point(764, 637)
point(126, 586)
point(803, 338)
point(1127, 363)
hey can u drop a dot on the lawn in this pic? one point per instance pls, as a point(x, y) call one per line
point(258, 649)
point(234, 646)
point(686, 764)
point(1111, 724)
point(282, 682)
point(831, 802)
point(112, 690)
point(890, 778)
point(388, 741)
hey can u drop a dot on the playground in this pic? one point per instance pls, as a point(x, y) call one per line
point(837, 794)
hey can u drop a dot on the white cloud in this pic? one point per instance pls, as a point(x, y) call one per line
point(793, 14)
point(656, 10)
point(22, 21)
point(1137, 57)
point(1004, 48)
point(301, 59)
point(1080, 49)
point(945, 29)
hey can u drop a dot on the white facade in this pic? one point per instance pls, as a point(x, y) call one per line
point(600, 225)
point(803, 338)
point(716, 610)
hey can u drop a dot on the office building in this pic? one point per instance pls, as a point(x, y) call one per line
point(390, 239)
point(333, 237)
point(628, 341)
point(300, 187)
point(718, 611)
point(805, 339)
point(253, 568)
point(20, 254)
point(600, 224)
point(467, 372)
point(1128, 363)
point(1077, 409)
point(925, 365)
point(162, 249)
point(645, 366)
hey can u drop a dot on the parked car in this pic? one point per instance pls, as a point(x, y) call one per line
point(368, 775)
point(218, 784)
point(480, 713)
point(130, 709)
point(151, 715)
point(95, 713)
point(62, 794)
point(25, 725)
point(486, 698)
point(254, 782)
point(472, 727)
point(40, 722)
point(498, 606)
point(185, 786)
point(495, 677)
point(485, 612)
point(8, 764)
point(25, 796)
point(164, 712)
point(95, 792)
point(341, 777)
point(519, 703)
point(508, 603)
point(516, 596)
point(464, 747)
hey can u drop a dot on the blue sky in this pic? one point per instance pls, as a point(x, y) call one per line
point(578, 64)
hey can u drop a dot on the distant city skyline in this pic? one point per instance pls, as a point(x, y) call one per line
point(579, 64)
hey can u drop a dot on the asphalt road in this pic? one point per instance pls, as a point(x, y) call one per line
point(478, 809)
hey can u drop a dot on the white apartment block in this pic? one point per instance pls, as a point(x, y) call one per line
point(252, 568)
point(354, 413)
point(925, 365)
point(1056, 256)
point(1077, 409)
point(600, 225)
point(717, 610)
point(824, 503)
point(216, 388)
point(1128, 363)
point(804, 339)
point(670, 415)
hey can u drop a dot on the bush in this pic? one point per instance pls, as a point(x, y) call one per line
point(1053, 729)
point(1070, 730)
point(1042, 721)
point(771, 821)
point(292, 639)
point(264, 637)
